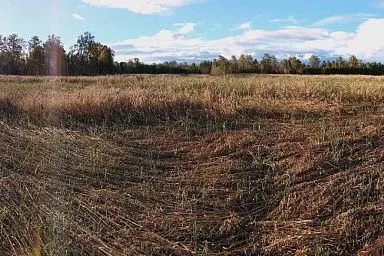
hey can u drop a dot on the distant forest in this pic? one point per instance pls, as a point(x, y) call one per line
point(89, 58)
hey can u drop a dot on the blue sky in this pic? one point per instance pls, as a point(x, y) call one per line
point(193, 30)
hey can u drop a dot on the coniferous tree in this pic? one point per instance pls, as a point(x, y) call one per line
point(35, 58)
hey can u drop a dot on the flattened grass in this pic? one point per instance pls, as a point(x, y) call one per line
point(192, 165)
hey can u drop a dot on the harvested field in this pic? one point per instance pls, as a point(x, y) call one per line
point(192, 165)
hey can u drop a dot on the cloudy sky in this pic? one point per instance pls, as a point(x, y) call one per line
point(194, 30)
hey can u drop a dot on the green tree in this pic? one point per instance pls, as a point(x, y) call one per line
point(296, 65)
point(340, 62)
point(205, 67)
point(2, 54)
point(221, 66)
point(314, 62)
point(246, 64)
point(12, 55)
point(80, 55)
point(233, 65)
point(291, 66)
point(36, 58)
point(88, 57)
point(284, 66)
point(256, 66)
point(353, 62)
point(269, 64)
point(102, 58)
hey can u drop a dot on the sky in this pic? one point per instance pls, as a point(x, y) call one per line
point(196, 30)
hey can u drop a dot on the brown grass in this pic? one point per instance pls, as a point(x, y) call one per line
point(192, 165)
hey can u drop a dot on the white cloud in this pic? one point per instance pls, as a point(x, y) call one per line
point(245, 26)
point(185, 28)
point(368, 41)
point(343, 19)
point(365, 43)
point(77, 16)
point(289, 19)
point(330, 20)
point(141, 6)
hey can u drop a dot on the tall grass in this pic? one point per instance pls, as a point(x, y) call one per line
point(191, 165)
point(148, 99)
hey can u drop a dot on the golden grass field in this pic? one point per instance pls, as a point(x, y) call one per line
point(192, 165)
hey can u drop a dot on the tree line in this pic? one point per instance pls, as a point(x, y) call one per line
point(268, 64)
point(38, 58)
point(87, 57)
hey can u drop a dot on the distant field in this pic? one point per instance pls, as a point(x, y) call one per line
point(192, 165)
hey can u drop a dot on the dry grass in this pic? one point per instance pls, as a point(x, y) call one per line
point(192, 165)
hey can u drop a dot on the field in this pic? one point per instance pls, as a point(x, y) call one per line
point(192, 165)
